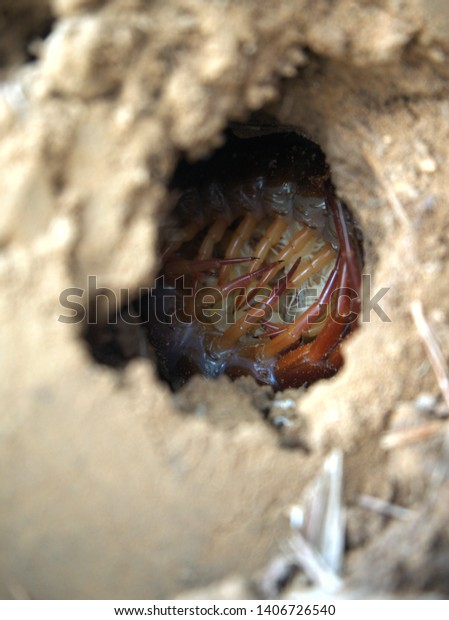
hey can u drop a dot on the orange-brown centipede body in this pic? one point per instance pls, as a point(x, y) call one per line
point(260, 269)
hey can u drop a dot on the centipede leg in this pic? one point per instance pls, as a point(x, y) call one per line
point(236, 284)
point(318, 359)
point(240, 236)
point(214, 235)
point(295, 248)
point(184, 236)
point(294, 332)
point(192, 267)
point(256, 314)
point(271, 237)
point(322, 357)
point(314, 265)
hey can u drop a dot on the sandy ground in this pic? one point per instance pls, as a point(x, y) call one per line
point(111, 487)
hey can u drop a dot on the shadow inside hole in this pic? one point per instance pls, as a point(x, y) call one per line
point(277, 185)
point(22, 26)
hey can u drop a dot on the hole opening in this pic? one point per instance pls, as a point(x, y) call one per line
point(22, 27)
point(260, 267)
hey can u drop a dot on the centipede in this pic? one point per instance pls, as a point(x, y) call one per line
point(260, 267)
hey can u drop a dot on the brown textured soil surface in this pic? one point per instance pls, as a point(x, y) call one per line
point(112, 488)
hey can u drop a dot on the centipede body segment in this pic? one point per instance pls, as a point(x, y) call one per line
point(260, 267)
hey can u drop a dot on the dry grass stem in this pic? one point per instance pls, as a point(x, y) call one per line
point(432, 348)
point(398, 439)
point(385, 508)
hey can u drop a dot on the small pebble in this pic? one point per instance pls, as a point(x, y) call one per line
point(427, 165)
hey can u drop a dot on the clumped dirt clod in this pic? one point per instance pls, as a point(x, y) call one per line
point(110, 491)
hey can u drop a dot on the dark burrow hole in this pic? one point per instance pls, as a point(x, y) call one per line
point(22, 26)
point(259, 270)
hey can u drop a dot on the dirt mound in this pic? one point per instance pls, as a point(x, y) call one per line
point(113, 487)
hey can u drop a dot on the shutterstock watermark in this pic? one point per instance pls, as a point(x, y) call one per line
point(174, 302)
